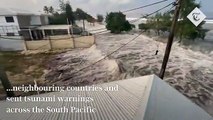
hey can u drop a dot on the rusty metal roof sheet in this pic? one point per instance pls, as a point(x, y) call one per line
point(143, 98)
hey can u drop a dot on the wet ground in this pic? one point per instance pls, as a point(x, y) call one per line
point(23, 69)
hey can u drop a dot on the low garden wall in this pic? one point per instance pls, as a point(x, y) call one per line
point(61, 42)
point(12, 43)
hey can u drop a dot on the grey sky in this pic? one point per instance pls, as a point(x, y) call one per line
point(99, 6)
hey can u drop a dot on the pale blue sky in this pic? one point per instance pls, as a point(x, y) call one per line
point(99, 6)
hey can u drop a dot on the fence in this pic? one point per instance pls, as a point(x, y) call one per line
point(51, 42)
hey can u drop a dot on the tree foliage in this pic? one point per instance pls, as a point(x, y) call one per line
point(100, 18)
point(144, 27)
point(46, 9)
point(160, 22)
point(66, 14)
point(57, 19)
point(184, 30)
point(82, 15)
point(62, 5)
point(116, 22)
point(51, 10)
point(69, 14)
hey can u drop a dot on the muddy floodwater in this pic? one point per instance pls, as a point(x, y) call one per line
point(188, 71)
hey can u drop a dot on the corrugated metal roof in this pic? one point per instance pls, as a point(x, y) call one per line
point(166, 103)
point(143, 98)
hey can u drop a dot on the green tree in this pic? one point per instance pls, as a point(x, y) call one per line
point(163, 22)
point(100, 18)
point(116, 22)
point(90, 19)
point(70, 14)
point(157, 23)
point(80, 14)
point(51, 10)
point(160, 22)
point(46, 10)
point(186, 29)
point(66, 14)
point(57, 19)
point(144, 27)
point(62, 5)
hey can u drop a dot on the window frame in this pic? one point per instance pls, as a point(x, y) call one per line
point(10, 20)
point(10, 34)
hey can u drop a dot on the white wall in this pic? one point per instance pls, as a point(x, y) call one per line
point(35, 20)
point(46, 19)
point(11, 27)
point(12, 43)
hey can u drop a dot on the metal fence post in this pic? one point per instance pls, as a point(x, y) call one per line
point(50, 42)
point(72, 36)
point(25, 43)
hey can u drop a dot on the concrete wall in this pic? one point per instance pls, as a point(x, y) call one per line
point(57, 37)
point(35, 20)
point(14, 44)
point(38, 45)
point(56, 42)
point(44, 20)
point(84, 42)
point(61, 42)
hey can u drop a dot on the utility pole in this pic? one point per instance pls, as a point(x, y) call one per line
point(170, 39)
point(6, 83)
point(84, 24)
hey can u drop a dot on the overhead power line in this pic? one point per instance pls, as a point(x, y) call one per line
point(67, 78)
point(117, 48)
point(170, 39)
point(125, 11)
point(144, 16)
point(144, 6)
point(102, 58)
point(138, 18)
point(160, 9)
point(131, 21)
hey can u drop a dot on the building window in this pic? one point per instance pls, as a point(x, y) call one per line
point(10, 34)
point(9, 19)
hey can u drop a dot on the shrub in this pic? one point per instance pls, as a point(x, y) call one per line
point(116, 22)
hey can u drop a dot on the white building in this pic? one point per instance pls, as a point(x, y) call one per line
point(13, 21)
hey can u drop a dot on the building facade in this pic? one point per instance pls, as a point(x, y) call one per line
point(13, 22)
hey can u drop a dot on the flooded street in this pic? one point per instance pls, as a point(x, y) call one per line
point(189, 72)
